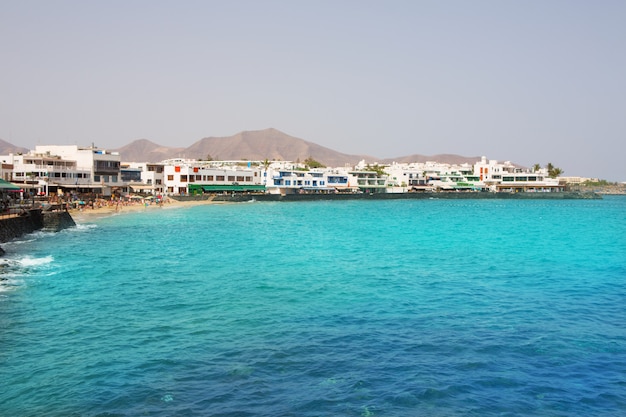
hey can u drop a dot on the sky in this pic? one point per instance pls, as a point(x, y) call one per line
point(533, 81)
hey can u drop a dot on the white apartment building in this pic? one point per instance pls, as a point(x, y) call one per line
point(150, 179)
point(430, 176)
point(506, 177)
point(185, 176)
point(52, 169)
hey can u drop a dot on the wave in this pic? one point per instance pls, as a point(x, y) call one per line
point(28, 261)
point(81, 227)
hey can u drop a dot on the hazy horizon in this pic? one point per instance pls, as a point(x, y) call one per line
point(532, 82)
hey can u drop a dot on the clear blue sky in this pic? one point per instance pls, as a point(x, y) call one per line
point(526, 81)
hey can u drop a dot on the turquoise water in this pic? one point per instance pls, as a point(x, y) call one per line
point(379, 308)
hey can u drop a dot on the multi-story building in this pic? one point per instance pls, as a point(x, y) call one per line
point(430, 176)
point(506, 177)
point(144, 177)
point(181, 176)
point(58, 169)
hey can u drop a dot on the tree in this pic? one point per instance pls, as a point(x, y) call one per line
point(553, 171)
point(536, 167)
point(379, 170)
point(556, 172)
point(312, 163)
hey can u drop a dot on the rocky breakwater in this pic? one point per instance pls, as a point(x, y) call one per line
point(32, 220)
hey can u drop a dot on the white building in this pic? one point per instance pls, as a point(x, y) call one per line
point(150, 178)
point(432, 176)
point(69, 168)
point(506, 177)
point(189, 176)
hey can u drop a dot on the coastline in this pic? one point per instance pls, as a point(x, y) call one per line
point(451, 195)
point(87, 214)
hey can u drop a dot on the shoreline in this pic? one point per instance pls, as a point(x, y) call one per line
point(86, 214)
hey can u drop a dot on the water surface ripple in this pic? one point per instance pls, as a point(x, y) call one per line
point(381, 308)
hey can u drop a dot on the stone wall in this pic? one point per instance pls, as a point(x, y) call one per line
point(55, 221)
point(13, 227)
point(33, 220)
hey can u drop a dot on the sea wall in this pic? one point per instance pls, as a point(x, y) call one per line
point(451, 195)
point(56, 221)
point(31, 221)
point(13, 227)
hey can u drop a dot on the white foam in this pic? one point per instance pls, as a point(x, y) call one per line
point(81, 227)
point(29, 262)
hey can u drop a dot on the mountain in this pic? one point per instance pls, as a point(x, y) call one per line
point(256, 145)
point(7, 148)
point(142, 150)
point(264, 144)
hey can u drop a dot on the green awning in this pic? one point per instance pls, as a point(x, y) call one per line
point(5, 185)
point(231, 187)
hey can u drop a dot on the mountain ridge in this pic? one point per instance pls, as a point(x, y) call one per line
point(254, 145)
point(7, 148)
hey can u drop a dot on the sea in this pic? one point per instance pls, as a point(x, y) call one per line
point(328, 308)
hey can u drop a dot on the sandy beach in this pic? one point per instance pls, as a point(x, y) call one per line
point(86, 213)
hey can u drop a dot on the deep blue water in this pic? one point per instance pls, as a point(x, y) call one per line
point(380, 308)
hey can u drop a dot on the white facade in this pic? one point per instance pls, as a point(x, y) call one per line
point(51, 169)
point(178, 175)
point(55, 168)
point(430, 176)
point(506, 177)
point(152, 178)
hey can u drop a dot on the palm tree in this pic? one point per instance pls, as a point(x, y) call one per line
point(536, 167)
point(556, 172)
point(266, 164)
point(553, 171)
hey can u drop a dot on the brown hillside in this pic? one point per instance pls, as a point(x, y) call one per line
point(142, 150)
point(264, 144)
point(7, 148)
point(258, 145)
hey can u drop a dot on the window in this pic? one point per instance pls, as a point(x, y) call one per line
point(183, 178)
point(231, 178)
point(170, 178)
point(219, 178)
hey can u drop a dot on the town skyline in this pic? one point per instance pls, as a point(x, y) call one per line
point(528, 82)
point(267, 144)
